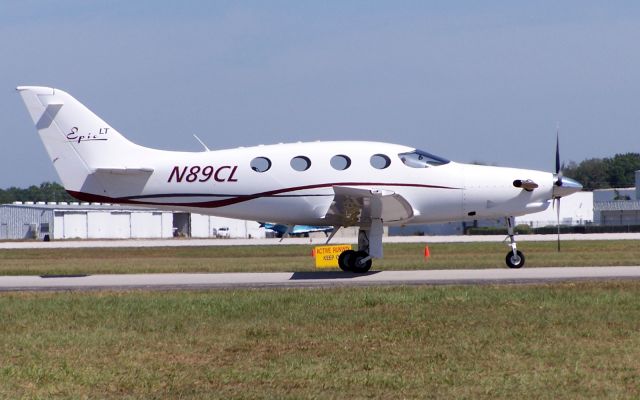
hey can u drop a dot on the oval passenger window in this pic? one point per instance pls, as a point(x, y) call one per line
point(340, 162)
point(380, 161)
point(300, 163)
point(260, 164)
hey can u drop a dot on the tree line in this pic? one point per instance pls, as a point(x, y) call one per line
point(47, 191)
point(604, 173)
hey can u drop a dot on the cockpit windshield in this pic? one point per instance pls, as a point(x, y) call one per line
point(421, 159)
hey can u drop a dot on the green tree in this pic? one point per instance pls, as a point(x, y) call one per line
point(603, 173)
point(590, 173)
point(622, 168)
point(47, 191)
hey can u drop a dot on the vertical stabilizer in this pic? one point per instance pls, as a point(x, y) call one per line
point(78, 142)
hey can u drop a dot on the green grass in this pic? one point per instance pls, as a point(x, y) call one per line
point(559, 342)
point(298, 258)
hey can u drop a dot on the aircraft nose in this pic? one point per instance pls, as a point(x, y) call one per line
point(565, 187)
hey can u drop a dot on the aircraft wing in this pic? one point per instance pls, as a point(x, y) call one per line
point(358, 206)
point(301, 229)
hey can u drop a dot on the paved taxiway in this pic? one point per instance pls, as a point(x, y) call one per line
point(314, 279)
point(70, 244)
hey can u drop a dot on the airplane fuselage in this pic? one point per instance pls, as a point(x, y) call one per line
point(231, 183)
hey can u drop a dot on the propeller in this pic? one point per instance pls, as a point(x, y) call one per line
point(558, 219)
point(558, 182)
point(558, 169)
point(562, 186)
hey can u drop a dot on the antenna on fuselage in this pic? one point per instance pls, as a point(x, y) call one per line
point(201, 142)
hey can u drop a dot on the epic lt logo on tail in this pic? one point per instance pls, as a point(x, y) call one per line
point(74, 136)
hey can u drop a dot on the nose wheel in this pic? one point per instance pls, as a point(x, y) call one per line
point(515, 258)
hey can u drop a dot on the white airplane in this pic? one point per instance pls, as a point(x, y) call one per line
point(346, 183)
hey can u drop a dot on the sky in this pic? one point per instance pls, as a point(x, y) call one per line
point(471, 81)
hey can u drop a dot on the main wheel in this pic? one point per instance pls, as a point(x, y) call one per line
point(515, 261)
point(357, 265)
point(344, 260)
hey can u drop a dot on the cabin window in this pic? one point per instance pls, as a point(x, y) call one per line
point(300, 163)
point(380, 161)
point(421, 159)
point(260, 164)
point(340, 162)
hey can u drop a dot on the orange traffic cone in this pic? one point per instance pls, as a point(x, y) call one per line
point(427, 253)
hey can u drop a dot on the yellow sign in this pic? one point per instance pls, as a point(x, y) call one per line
point(327, 256)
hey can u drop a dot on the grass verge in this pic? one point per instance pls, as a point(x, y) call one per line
point(298, 258)
point(562, 341)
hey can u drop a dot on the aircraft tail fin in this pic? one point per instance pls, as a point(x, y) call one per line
point(78, 142)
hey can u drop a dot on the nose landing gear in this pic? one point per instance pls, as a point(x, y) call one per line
point(515, 258)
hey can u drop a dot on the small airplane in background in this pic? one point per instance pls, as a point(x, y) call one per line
point(295, 230)
point(338, 184)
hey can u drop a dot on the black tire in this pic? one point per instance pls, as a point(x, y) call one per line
point(357, 266)
point(515, 262)
point(344, 260)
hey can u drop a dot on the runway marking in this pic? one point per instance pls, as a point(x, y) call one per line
point(177, 281)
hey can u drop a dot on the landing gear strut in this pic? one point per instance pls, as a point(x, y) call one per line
point(515, 258)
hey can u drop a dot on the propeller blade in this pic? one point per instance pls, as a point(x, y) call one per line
point(557, 152)
point(558, 222)
point(558, 166)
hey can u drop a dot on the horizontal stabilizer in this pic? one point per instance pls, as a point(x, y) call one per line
point(124, 170)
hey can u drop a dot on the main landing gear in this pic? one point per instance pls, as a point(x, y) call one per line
point(354, 261)
point(515, 258)
point(369, 246)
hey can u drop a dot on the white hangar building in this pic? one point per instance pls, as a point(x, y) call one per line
point(619, 206)
point(106, 221)
point(576, 209)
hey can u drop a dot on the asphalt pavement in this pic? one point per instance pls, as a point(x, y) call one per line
point(58, 244)
point(314, 279)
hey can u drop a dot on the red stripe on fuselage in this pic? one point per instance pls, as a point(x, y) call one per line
point(83, 196)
